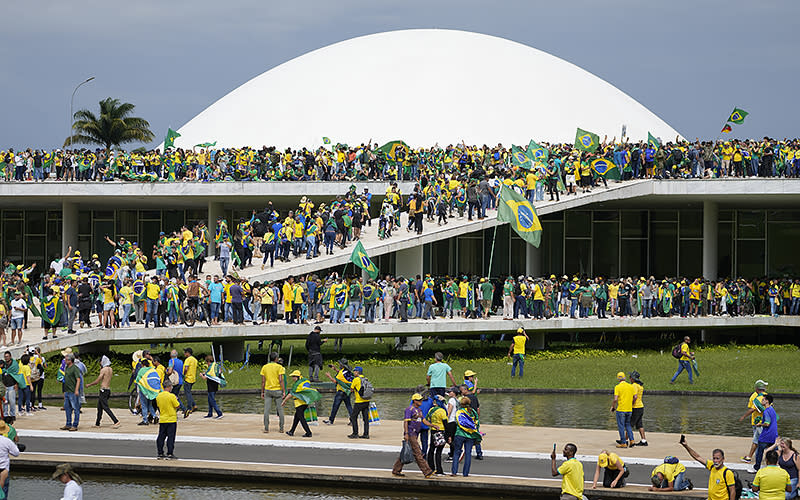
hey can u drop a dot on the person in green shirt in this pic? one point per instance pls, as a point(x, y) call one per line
point(487, 294)
point(72, 400)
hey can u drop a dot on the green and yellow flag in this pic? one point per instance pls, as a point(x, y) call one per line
point(303, 391)
point(517, 211)
point(326, 140)
point(653, 141)
point(537, 152)
point(360, 258)
point(520, 159)
point(605, 168)
point(737, 116)
point(391, 148)
point(169, 140)
point(586, 141)
point(205, 144)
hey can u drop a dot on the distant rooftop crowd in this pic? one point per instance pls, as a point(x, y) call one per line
point(397, 161)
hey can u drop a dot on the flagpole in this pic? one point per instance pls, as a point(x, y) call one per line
point(491, 255)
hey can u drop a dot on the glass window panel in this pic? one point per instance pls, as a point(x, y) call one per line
point(691, 224)
point(577, 257)
point(750, 258)
point(470, 255)
point(104, 214)
point(783, 240)
point(148, 235)
point(126, 221)
point(605, 215)
point(552, 217)
point(578, 223)
point(664, 215)
point(552, 248)
point(691, 258)
point(518, 256)
point(12, 214)
point(150, 214)
point(634, 223)
point(726, 215)
point(35, 222)
point(751, 224)
point(173, 220)
point(605, 249)
point(85, 246)
point(84, 222)
point(783, 215)
point(500, 263)
point(54, 215)
point(725, 250)
point(102, 228)
point(195, 215)
point(53, 239)
point(12, 240)
point(663, 249)
point(634, 258)
point(34, 250)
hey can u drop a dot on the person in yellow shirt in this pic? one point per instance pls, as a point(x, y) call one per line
point(721, 481)
point(109, 306)
point(755, 405)
point(670, 476)
point(435, 419)
point(571, 471)
point(125, 303)
point(288, 300)
point(772, 482)
point(538, 300)
point(167, 421)
point(517, 349)
point(622, 405)
point(613, 296)
point(685, 361)
point(615, 470)
point(360, 405)
point(638, 407)
point(694, 296)
point(189, 377)
point(153, 291)
point(273, 389)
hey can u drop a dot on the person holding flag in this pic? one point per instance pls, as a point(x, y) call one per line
point(467, 435)
point(148, 384)
point(215, 378)
point(303, 395)
point(513, 208)
point(343, 379)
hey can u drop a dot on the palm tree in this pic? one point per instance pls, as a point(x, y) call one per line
point(113, 127)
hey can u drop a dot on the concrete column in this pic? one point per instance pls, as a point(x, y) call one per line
point(364, 276)
point(710, 238)
point(214, 211)
point(69, 226)
point(408, 262)
point(533, 261)
point(231, 351)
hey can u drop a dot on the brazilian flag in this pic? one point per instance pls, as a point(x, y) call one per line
point(303, 391)
point(206, 144)
point(537, 152)
point(516, 210)
point(737, 116)
point(520, 159)
point(391, 148)
point(216, 373)
point(602, 167)
point(340, 297)
point(326, 140)
point(586, 141)
point(360, 258)
point(149, 382)
point(653, 141)
point(138, 290)
point(113, 265)
point(169, 140)
point(51, 310)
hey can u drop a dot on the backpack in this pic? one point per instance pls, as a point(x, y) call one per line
point(367, 390)
point(737, 483)
point(676, 352)
point(8, 380)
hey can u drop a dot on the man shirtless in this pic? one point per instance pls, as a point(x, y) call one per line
point(104, 379)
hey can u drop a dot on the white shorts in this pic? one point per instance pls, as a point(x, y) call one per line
point(570, 179)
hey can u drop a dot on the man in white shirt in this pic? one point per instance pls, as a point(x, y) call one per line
point(72, 482)
point(7, 448)
point(18, 308)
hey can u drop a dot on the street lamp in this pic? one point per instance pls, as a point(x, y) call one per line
point(71, 99)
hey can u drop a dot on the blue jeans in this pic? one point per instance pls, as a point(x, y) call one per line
point(485, 201)
point(173, 315)
point(573, 306)
point(212, 404)
point(355, 308)
point(760, 453)
point(794, 492)
point(223, 264)
point(647, 310)
point(518, 360)
point(683, 365)
point(215, 310)
point(152, 312)
point(369, 313)
point(624, 425)
point(311, 245)
point(680, 482)
point(773, 306)
point(338, 399)
point(187, 389)
point(795, 310)
point(72, 408)
point(147, 407)
point(337, 316)
point(126, 315)
point(466, 443)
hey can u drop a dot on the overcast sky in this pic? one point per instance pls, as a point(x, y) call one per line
point(690, 62)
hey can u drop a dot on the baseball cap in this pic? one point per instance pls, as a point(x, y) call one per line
point(416, 397)
point(602, 460)
point(760, 384)
point(621, 375)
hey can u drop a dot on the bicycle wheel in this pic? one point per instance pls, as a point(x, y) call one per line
point(133, 401)
point(189, 316)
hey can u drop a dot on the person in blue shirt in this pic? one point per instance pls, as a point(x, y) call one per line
point(769, 433)
point(176, 366)
point(428, 302)
point(215, 296)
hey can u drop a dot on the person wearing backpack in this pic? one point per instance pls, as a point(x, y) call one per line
point(363, 390)
point(685, 357)
point(723, 483)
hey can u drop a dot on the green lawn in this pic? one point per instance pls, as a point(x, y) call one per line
point(729, 368)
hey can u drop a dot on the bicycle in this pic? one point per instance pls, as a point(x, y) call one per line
point(190, 314)
point(133, 402)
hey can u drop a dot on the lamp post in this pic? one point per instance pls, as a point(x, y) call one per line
point(71, 99)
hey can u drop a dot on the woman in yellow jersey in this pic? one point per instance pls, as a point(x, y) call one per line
point(435, 419)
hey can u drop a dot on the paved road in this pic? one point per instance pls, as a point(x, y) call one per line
point(308, 456)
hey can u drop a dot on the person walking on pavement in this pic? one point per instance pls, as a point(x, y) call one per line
point(412, 423)
point(769, 433)
point(314, 343)
point(622, 406)
point(343, 380)
point(721, 481)
point(175, 373)
point(189, 377)
point(104, 379)
point(273, 390)
point(72, 401)
point(638, 407)
point(755, 408)
point(685, 361)
point(299, 404)
point(168, 405)
point(571, 471)
point(361, 406)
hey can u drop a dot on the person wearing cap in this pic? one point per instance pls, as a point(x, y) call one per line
point(104, 379)
point(299, 404)
point(517, 349)
point(622, 406)
point(614, 470)
point(638, 407)
point(755, 408)
point(71, 480)
point(344, 377)
point(470, 381)
point(273, 390)
point(412, 424)
point(361, 406)
point(670, 476)
point(685, 361)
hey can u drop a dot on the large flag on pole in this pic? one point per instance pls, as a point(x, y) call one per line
point(519, 212)
point(169, 140)
point(586, 141)
point(520, 159)
point(537, 152)
point(360, 258)
point(605, 168)
point(653, 141)
point(737, 116)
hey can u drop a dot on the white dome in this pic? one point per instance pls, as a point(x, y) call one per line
point(421, 86)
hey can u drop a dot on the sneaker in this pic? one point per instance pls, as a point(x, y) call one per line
point(171, 457)
point(751, 470)
point(161, 457)
point(117, 425)
point(352, 436)
point(641, 443)
point(307, 435)
point(691, 486)
point(398, 474)
point(208, 416)
point(72, 429)
point(448, 459)
point(64, 428)
point(365, 436)
point(218, 417)
point(143, 422)
point(479, 457)
point(622, 445)
point(327, 422)
point(289, 433)
point(186, 413)
point(746, 460)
